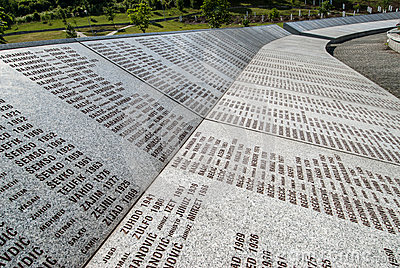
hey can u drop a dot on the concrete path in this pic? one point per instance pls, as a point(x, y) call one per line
point(114, 32)
point(80, 34)
point(371, 57)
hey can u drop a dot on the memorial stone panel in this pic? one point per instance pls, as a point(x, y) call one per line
point(81, 139)
point(194, 69)
point(235, 197)
point(297, 163)
point(309, 25)
point(313, 100)
point(172, 73)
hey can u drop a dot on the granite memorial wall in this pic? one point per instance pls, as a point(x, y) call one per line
point(309, 25)
point(85, 128)
point(296, 166)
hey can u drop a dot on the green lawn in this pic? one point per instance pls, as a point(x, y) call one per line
point(170, 26)
point(83, 21)
point(165, 26)
point(263, 11)
point(157, 14)
point(97, 30)
point(35, 36)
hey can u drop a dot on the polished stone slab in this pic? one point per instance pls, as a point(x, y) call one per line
point(296, 166)
point(86, 127)
point(310, 25)
point(336, 32)
point(315, 100)
point(235, 197)
point(81, 139)
point(194, 69)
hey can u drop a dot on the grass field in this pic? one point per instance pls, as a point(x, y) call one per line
point(157, 14)
point(170, 26)
point(238, 13)
point(35, 37)
point(84, 21)
point(165, 26)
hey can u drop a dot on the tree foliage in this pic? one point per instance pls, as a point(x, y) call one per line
point(195, 3)
point(325, 8)
point(179, 4)
point(385, 4)
point(4, 23)
point(110, 11)
point(216, 12)
point(70, 31)
point(273, 14)
point(140, 15)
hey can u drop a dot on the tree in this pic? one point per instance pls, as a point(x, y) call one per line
point(246, 22)
point(274, 14)
point(179, 4)
point(70, 30)
point(385, 4)
point(195, 4)
point(140, 15)
point(62, 15)
point(325, 8)
point(128, 4)
point(109, 11)
point(4, 24)
point(216, 12)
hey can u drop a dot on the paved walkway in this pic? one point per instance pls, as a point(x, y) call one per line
point(114, 32)
point(371, 57)
point(79, 34)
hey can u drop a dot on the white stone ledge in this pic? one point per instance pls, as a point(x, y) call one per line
point(394, 40)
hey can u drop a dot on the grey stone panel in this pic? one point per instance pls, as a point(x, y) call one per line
point(174, 72)
point(313, 100)
point(233, 196)
point(352, 30)
point(81, 139)
point(330, 22)
point(175, 65)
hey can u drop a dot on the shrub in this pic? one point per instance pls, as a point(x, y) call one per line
point(179, 4)
point(246, 22)
point(325, 8)
point(216, 12)
point(274, 14)
point(70, 31)
point(35, 16)
point(140, 16)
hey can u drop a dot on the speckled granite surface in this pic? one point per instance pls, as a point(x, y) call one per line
point(82, 137)
point(252, 155)
point(286, 171)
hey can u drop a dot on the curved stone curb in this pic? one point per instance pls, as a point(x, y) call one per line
point(394, 40)
point(310, 25)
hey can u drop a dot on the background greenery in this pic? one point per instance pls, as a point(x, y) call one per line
point(34, 15)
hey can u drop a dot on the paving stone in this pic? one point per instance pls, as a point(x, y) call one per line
point(372, 58)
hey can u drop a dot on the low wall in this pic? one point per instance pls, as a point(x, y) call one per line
point(394, 40)
point(309, 25)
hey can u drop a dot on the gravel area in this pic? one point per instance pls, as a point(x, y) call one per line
point(371, 57)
